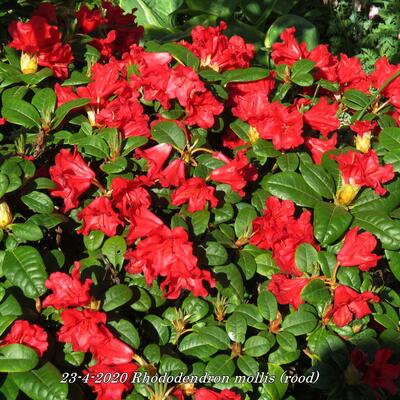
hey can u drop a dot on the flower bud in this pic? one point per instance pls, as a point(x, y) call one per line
point(253, 135)
point(363, 143)
point(5, 215)
point(29, 63)
point(346, 194)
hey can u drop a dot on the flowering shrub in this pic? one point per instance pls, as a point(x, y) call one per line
point(177, 222)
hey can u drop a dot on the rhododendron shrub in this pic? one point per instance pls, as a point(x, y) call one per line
point(176, 209)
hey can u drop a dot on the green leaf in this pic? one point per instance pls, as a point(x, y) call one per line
point(94, 240)
point(389, 138)
point(17, 358)
point(6, 321)
point(75, 358)
point(169, 132)
point(114, 249)
point(45, 102)
point(251, 314)
point(241, 129)
point(286, 341)
point(318, 179)
point(244, 222)
point(257, 346)
point(307, 258)
point(20, 112)
point(278, 388)
point(24, 268)
point(116, 296)
point(302, 67)
point(216, 253)
point(248, 365)
point(127, 332)
point(181, 54)
point(142, 302)
point(77, 78)
point(236, 327)
point(38, 202)
point(37, 77)
point(220, 8)
point(394, 262)
point(160, 326)
point(244, 75)
point(172, 366)
point(267, 305)
point(316, 293)
point(195, 307)
point(66, 108)
point(200, 221)
point(303, 79)
point(299, 322)
point(197, 345)
point(292, 186)
point(27, 231)
point(330, 222)
point(355, 99)
point(42, 384)
point(132, 143)
point(248, 264)
point(288, 162)
point(221, 365)
point(94, 146)
point(4, 182)
point(216, 336)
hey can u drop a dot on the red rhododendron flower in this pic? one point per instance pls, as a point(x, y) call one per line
point(230, 140)
point(380, 373)
point(325, 63)
point(107, 349)
point(320, 146)
point(363, 127)
point(99, 215)
point(351, 74)
point(196, 193)
point(81, 328)
point(217, 51)
point(322, 117)
point(235, 173)
point(202, 109)
point(155, 157)
point(279, 231)
point(89, 20)
point(64, 94)
point(129, 194)
point(71, 176)
point(287, 290)
point(289, 51)
point(348, 303)
point(2, 121)
point(110, 390)
point(364, 170)
point(168, 253)
point(143, 223)
point(173, 174)
point(208, 394)
point(68, 291)
point(284, 125)
point(32, 335)
point(357, 250)
point(47, 11)
point(41, 41)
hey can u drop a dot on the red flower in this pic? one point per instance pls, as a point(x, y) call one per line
point(107, 349)
point(235, 173)
point(129, 194)
point(110, 390)
point(71, 176)
point(169, 254)
point(357, 250)
point(287, 290)
point(322, 117)
point(99, 215)
point(320, 146)
point(64, 94)
point(32, 335)
point(363, 127)
point(67, 290)
point(325, 63)
point(173, 174)
point(289, 51)
point(348, 303)
point(230, 140)
point(89, 20)
point(278, 230)
point(143, 223)
point(196, 193)
point(208, 394)
point(364, 170)
point(284, 125)
point(351, 74)
point(202, 109)
point(217, 51)
point(156, 157)
point(47, 11)
point(81, 328)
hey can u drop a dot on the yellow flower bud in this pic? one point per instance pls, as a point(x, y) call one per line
point(363, 143)
point(5, 215)
point(29, 63)
point(253, 135)
point(346, 194)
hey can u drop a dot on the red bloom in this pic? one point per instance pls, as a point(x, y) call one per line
point(325, 63)
point(322, 117)
point(71, 176)
point(143, 223)
point(278, 230)
point(47, 11)
point(230, 140)
point(357, 250)
point(320, 146)
point(173, 174)
point(217, 51)
point(105, 46)
point(31, 335)
point(287, 290)
point(363, 127)
point(235, 173)
point(208, 394)
point(81, 328)
point(169, 254)
point(202, 109)
point(364, 170)
point(107, 349)
point(351, 74)
point(110, 390)
point(99, 215)
point(289, 51)
point(64, 94)
point(156, 157)
point(196, 193)
point(67, 290)
point(284, 125)
point(348, 303)
point(89, 20)
point(129, 194)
